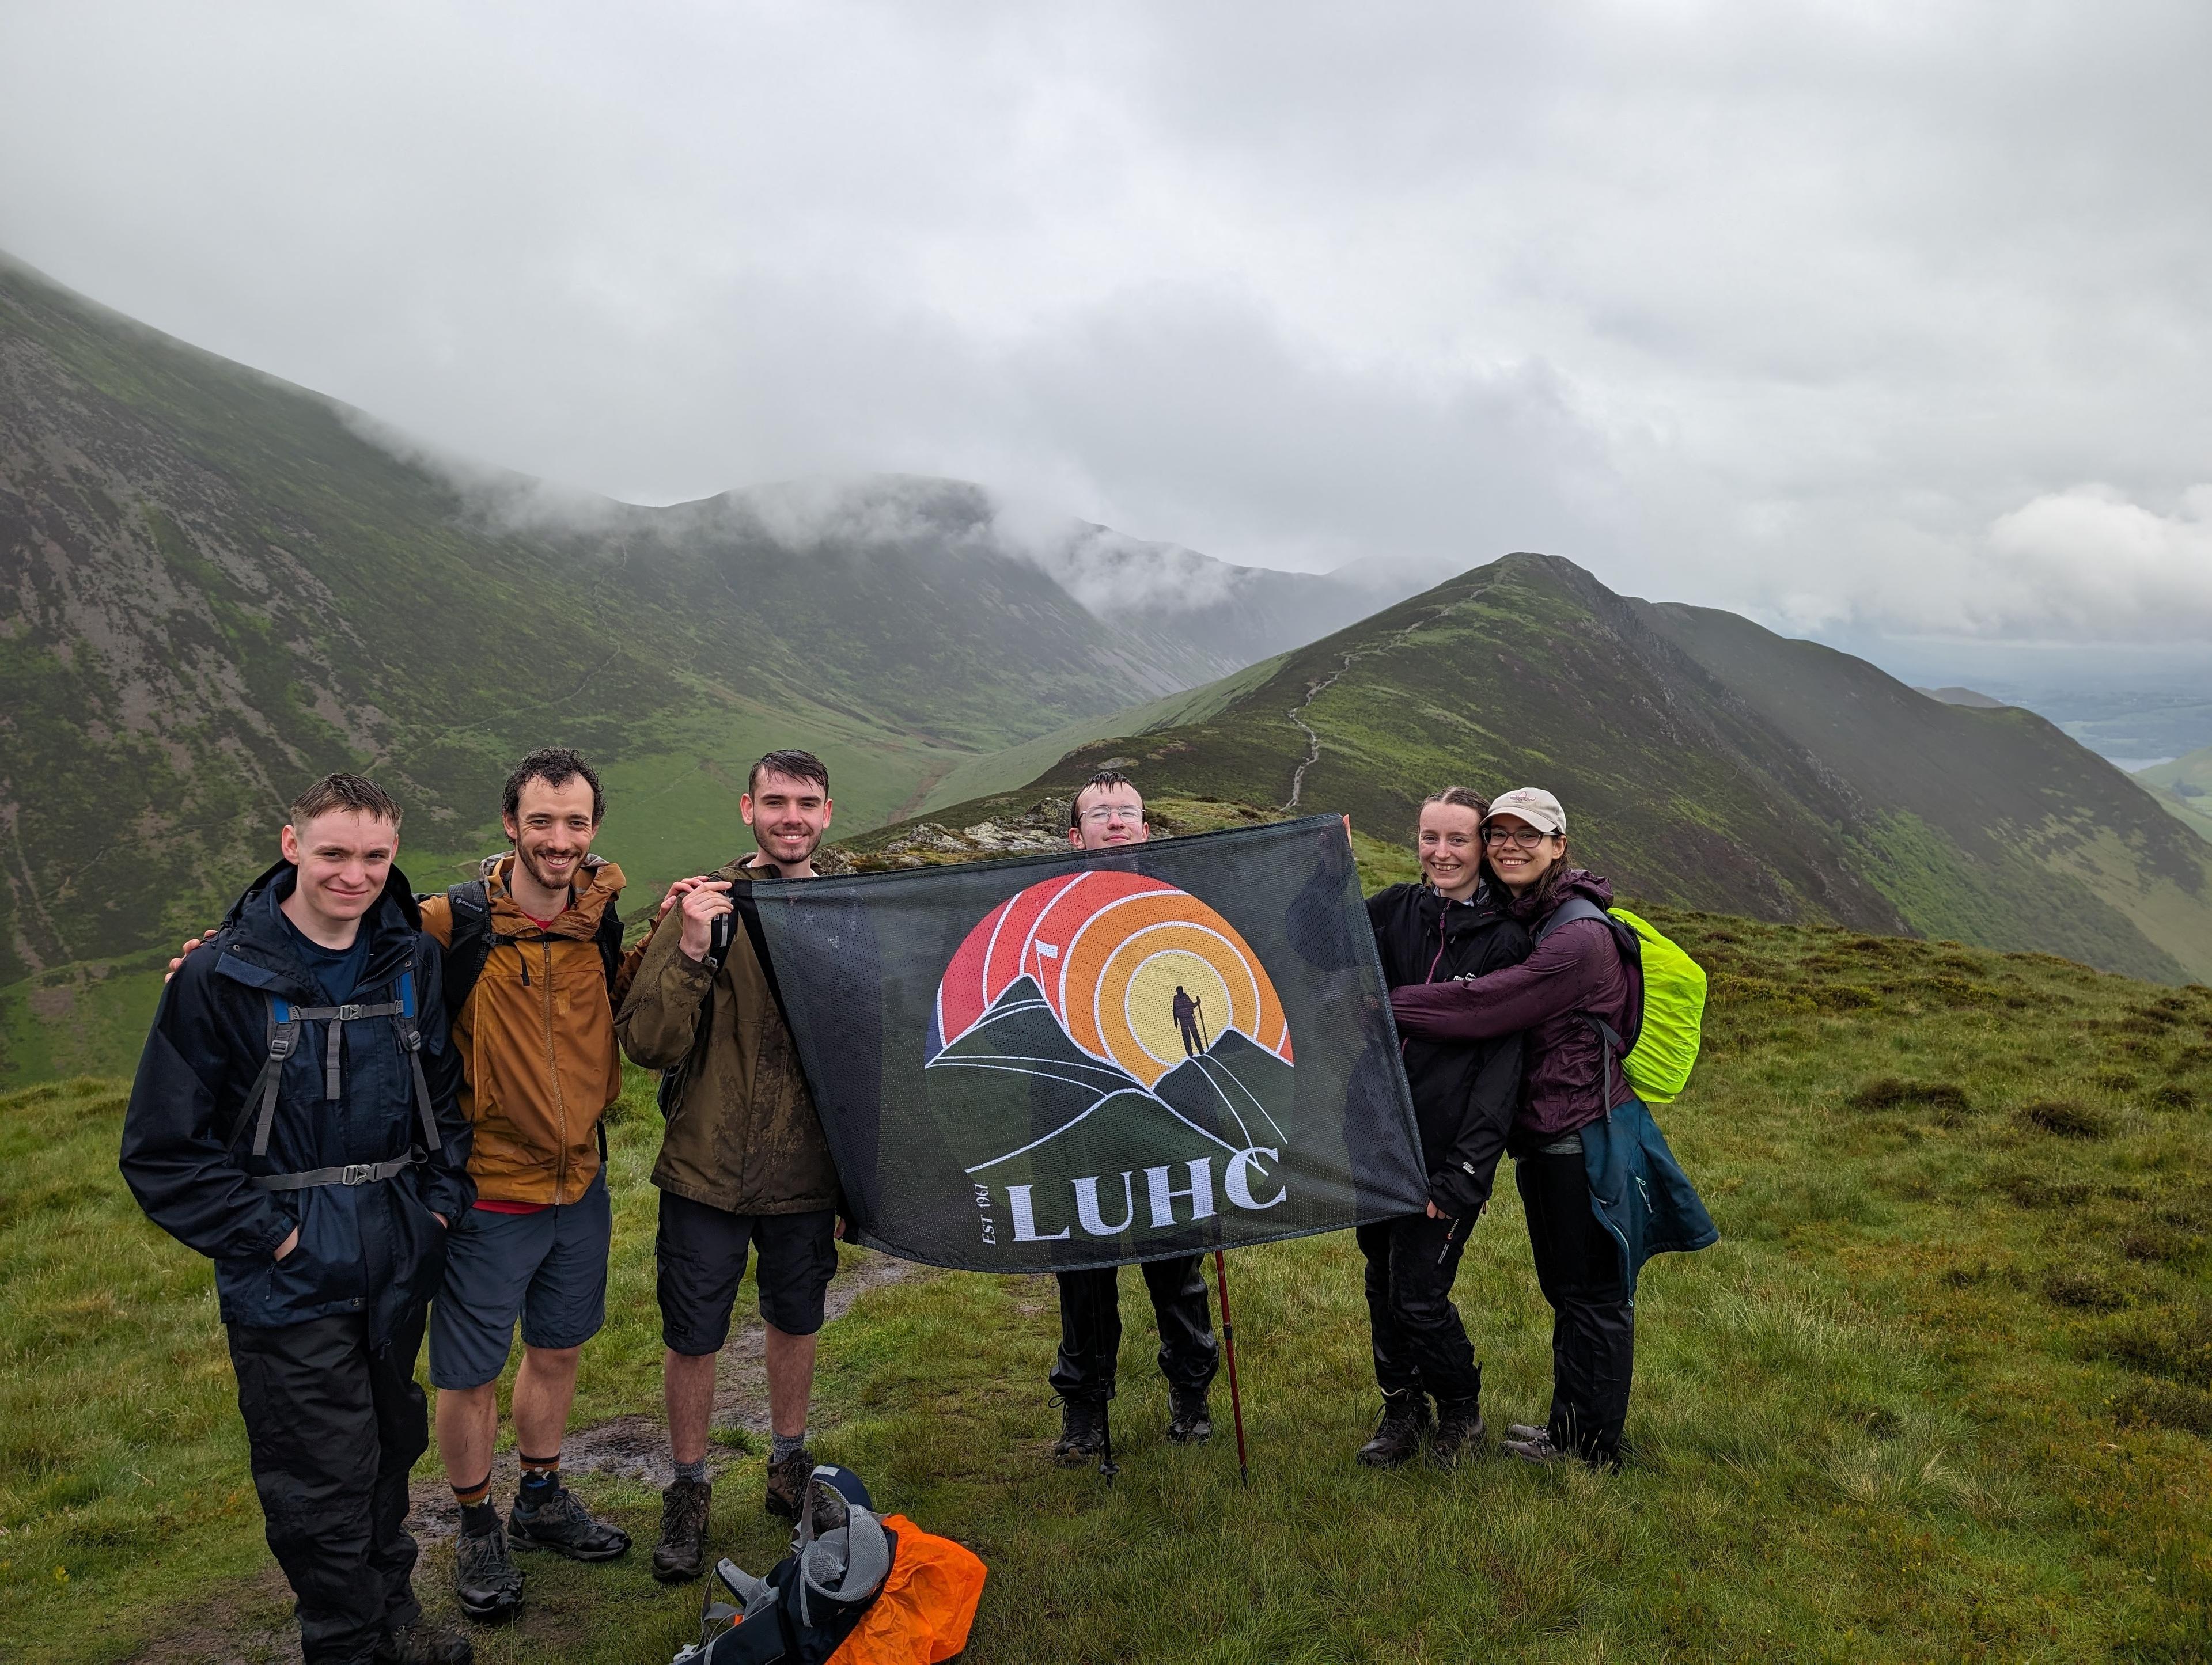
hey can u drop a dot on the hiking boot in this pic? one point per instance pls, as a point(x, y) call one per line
point(486, 1580)
point(1537, 1449)
point(426, 1643)
point(787, 1483)
point(1526, 1430)
point(1082, 1432)
point(564, 1525)
point(1398, 1436)
point(1459, 1431)
point(1190, 1422)
point(681, 1554)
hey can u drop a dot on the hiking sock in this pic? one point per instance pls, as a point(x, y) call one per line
point(782, 1447)
point(478, 1515)
point(541, 1480)
point(694, 1472)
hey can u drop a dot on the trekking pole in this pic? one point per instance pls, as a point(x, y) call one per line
point(1200, 1014)
point(1228, 1346)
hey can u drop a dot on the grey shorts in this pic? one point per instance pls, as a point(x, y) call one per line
point(548, 1268)
point(699, 1258)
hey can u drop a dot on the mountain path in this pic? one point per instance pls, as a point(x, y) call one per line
point(1315, 689)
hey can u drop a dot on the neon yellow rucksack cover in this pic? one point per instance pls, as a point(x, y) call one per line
point(1658, 1065)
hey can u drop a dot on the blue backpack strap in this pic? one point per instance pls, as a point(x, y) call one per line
point(283, 1042)
point(410, 1042)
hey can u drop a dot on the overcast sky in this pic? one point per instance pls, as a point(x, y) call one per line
point(1859, 317)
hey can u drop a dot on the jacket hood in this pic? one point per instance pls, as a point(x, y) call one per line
point(599, 882)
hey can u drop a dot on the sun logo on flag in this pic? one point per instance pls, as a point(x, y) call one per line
point(1137, 973)
point(1102, 1033)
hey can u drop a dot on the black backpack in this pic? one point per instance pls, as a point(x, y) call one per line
point(474, 940)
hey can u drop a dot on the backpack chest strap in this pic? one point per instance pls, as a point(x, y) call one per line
point(285, 1020)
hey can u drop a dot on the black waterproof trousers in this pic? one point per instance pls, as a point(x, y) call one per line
point(1593, 1321)
point(1090, 1327)
point(1420, 1342)
point(334, 1425)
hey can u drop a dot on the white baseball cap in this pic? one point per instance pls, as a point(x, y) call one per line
point(1532, 805)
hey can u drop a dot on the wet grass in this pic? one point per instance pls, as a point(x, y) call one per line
point(1943, 1391)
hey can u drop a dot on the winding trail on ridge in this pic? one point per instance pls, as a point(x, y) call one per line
point(1315, 690)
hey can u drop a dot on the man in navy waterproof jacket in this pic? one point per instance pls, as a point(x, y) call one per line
point(295, 1120)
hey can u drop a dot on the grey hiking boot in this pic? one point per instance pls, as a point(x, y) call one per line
point(1459, 1431)
point(1189, 1420)
point(1082, 1432)
point(681, 1554)
point(1526, 1430)
point(486, 1581)
point(563, 1525)
point(425, 1643)
point(1536, 1448)
point(1398, 1436)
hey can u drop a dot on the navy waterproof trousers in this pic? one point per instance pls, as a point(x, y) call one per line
point(1593, 1321)
point(334, 1425)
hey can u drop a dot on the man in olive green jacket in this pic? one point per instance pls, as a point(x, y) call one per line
point(743, 1164)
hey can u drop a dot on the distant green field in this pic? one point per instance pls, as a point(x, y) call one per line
point(2184, 789)
point(1943, 1391)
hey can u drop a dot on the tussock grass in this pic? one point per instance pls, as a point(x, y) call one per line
point(1943, 1391)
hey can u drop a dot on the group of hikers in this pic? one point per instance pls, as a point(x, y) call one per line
point(382, 1115)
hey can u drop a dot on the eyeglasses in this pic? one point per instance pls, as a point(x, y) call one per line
point(1526, 837)
point(1106, 813)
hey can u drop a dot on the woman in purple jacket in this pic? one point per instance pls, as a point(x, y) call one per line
point(1574, 973)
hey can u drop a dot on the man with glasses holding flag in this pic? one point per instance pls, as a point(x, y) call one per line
point(1108, 812)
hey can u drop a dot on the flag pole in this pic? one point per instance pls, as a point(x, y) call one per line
point(1228, 1346)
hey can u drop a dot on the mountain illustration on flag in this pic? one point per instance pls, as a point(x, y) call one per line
point(1100, 1025)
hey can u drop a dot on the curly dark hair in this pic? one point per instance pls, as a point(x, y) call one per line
point(555, 766)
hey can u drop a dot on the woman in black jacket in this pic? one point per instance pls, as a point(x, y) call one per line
point(1464, 1094)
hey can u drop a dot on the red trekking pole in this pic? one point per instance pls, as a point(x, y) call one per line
point(1228, 1346)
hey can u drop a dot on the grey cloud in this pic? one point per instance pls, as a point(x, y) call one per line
point(1820, 313)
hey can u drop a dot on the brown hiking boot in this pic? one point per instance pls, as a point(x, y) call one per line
point(1459, 1431)
point(681, 1554)
point(787, 1484)
point(1398, 1436)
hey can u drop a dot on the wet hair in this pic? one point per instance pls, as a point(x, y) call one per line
point(1104, 778)
point(1464, 798)
point(344, 792)
point(555, 766)
point(794, 765)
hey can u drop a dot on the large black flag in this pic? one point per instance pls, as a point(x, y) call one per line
point(1073, 1061)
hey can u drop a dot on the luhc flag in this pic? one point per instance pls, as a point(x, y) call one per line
point(1054, 1062)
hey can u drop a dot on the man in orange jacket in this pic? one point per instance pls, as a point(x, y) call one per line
point(534, 1026)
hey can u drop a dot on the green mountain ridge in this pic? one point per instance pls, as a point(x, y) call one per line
point(1705, 762)
point(219, 585)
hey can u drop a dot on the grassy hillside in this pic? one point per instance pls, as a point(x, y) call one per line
point(217, 588)
point(2184, 789)
point(1942, 1391)
point(1704, 760)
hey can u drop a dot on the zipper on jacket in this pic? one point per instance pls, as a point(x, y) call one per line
point(553, 1069)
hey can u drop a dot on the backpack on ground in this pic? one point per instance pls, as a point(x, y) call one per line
point(875, 1589)
point(1664, 1050)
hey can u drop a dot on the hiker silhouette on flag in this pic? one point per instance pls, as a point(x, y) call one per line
point(1187, 1012)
